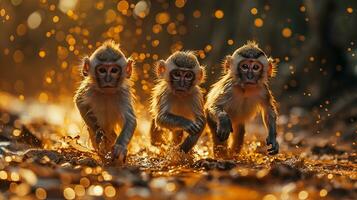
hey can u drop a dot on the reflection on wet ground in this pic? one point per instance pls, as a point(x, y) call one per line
point(37, 161)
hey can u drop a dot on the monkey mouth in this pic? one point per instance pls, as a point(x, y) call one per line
point(250, 82)
point(181, 89)
point(108, 86)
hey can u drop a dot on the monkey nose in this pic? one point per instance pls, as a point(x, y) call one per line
point(108, 79)
point(250, 76)
point(182, 83)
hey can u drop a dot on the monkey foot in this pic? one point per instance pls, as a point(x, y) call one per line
point(234, 151)
point(221, 153)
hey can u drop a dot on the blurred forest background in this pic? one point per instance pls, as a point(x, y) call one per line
point(314, 42)
point(42, 150)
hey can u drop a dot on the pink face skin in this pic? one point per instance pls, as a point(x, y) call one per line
point(108, 75)
point(250, 71)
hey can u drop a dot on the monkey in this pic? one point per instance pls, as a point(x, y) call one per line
point(242, 92)
point(105, 99)
point(177, 100)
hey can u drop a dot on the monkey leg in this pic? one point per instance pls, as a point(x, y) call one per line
point(156, 134)
point(190, 141)
point(238, 138)
point(177, 136)
point(105, 145)
point(220, 148)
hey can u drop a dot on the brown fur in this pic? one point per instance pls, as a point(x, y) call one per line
point(110, 108)
point(241, 102)
point(164, 100)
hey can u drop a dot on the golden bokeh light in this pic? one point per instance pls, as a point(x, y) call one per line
point(180, 3)
point(43, 97)
point(162, 18)
point(41, 193)
point(42, 53)
point(219, 14)
point(16, 2)
point(55, 19)
point(66, 5)
point(303, 195)
point(270, 197)
point(34, 20)
point(80, 190)
point(85, 182)
point(21, 29)
point(123, 6)
point(254, 11)
point(323, 193)
point(302, 8)
point(2, 12)
point(141, 9)
point(69, 193)
point(208, 48)
point(196, 14)
point(3, 175)
point(109, 191)
point(349, 10)
point(16, 132)
point(258, 22)
point(18, 56)
point(14, 176)
point(286, 32)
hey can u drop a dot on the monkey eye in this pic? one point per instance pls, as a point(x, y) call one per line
point(114, 70)
point(176, 74)
point(244, 67)
point(256, 67)
point(189, 76)
point(102, 70)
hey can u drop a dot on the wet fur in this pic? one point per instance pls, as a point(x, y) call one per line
point(164, 100)
point(110, 107)
point(241, 102)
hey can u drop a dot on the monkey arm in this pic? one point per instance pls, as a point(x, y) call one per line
point(90, 120)
point(128, 129)
point(192, 139)
point(201, 121)
point(217, 113)
point(270, 116)
point(88, 116)
point(169, 120)
point(224, 124)
point(120, 147)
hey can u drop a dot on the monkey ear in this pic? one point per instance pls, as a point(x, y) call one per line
point(227, 63)
point(271, 68)
point(85, 68)
point(129, 68)
point(202, 74)
point(160, 68)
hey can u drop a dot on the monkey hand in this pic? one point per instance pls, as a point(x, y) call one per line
point(99, 136)
point(224, 127)
point(119, 153)
point(274, 145)
point(192, 128)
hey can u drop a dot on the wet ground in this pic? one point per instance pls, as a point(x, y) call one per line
point(39, 161)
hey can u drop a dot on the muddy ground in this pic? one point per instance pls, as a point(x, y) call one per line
point(37, 162)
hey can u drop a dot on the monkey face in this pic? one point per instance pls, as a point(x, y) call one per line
point(108, 75)
point(181, 80)
point(249, 71)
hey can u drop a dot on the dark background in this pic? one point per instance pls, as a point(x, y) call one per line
point(314, 43)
